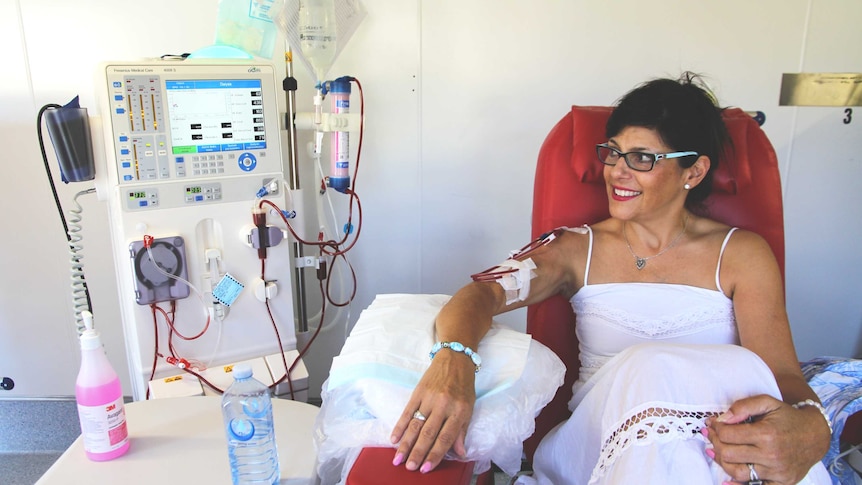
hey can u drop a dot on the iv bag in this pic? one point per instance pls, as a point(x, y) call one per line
point(317, 39)
point(348, 15)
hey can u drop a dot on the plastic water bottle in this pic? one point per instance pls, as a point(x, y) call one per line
point(247, 410)
point(100, 399)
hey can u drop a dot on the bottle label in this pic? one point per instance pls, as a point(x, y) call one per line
point(103, 428)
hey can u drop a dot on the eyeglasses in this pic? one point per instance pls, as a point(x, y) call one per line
point(639, 161)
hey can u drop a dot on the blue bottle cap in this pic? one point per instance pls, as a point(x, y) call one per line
point(242, 371)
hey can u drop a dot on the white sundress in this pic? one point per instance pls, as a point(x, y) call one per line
point(649, 378)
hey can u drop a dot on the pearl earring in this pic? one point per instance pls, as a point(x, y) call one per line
point(686, 186)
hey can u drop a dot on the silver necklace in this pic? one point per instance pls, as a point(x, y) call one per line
point(640, 262)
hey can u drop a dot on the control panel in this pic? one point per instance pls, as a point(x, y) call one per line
point(175, 122)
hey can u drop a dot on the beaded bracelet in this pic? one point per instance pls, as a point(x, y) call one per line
point(458, 347)
point(811, 402)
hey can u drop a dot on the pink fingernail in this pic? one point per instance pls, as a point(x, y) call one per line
point(426, 467)
point(399, 457)
point(724, 417)
point(710, 453)
point(704, 432)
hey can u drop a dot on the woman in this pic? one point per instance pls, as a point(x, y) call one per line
point(688, 373)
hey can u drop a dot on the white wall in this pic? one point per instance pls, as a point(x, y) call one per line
point(459, 96)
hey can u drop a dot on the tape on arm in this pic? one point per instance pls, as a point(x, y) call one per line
point(517, 283)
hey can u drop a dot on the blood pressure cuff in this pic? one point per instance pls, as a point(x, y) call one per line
point(383, 359)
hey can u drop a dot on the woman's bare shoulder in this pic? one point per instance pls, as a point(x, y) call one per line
point(574, 238)
point(746, 253)
point(578, 237)
point(706, 228)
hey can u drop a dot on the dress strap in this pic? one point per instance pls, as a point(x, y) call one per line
point(589, 254)
point(720, 254)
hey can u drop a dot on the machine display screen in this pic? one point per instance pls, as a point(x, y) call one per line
point(215, 115)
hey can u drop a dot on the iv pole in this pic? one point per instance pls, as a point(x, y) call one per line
point(290, 87)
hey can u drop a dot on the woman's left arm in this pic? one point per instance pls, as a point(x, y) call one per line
point(782, 441)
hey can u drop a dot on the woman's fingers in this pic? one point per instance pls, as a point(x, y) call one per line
point(425, 433)
point(404, 420)
point(781, 442)
point(407, 429)
point(449, 436)
point(424, 443)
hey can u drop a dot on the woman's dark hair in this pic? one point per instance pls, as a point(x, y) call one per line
point(686, 117)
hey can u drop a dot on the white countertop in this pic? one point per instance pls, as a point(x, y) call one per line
point(182, 440)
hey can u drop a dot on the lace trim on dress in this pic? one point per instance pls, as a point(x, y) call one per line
point(592, 362)
point(654, 423)
point(667, 326)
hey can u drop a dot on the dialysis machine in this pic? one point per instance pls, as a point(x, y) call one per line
point(192, 149)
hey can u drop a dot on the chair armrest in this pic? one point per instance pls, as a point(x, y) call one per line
point(373, 466)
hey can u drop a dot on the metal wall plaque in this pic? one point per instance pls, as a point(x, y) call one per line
point(821, 89)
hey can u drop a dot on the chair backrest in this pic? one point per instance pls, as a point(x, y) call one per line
point(569, 191)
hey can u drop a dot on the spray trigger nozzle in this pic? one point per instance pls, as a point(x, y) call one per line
point(89, 338)
point(88, 320)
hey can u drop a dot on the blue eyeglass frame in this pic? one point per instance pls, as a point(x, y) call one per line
point(655, 156)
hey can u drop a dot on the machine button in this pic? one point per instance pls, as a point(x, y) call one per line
point(247, 162)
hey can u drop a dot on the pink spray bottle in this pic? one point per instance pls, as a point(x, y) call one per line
point(100, 399)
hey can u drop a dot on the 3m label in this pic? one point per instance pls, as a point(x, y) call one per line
point(103, 428)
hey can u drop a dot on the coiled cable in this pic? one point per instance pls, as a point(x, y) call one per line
point(80, 297)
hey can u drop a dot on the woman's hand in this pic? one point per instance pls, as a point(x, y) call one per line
point(782, 442)
point(445, 396)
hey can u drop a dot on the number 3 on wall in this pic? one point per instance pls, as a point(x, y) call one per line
point(848, 116)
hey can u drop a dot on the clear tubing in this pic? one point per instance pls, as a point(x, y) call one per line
point(196, 291)
point(322, 223)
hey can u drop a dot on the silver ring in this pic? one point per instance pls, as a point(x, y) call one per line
point(753, 479)
point(421, 417)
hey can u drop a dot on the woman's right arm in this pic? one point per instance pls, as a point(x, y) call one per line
point(446, 393)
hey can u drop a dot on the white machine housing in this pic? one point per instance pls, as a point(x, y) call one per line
point(188, 145)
